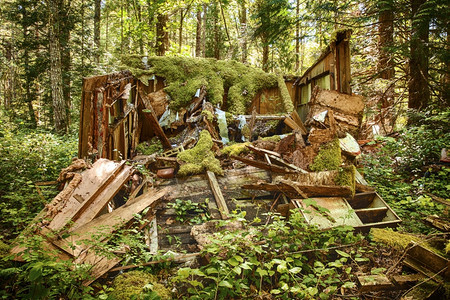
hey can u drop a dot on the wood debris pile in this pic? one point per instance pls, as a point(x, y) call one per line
point(229, 164)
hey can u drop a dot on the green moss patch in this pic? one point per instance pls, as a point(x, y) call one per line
point(399, 241)
point(346, 177)
point(328, 158)
point(200, 158)
point(208, 115)
point(235, 149)
point(148, 148)
point(185, 75)
point(133, 285)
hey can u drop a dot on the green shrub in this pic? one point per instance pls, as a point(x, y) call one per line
point(287, 259)
point(27, 157)
point(398, 171)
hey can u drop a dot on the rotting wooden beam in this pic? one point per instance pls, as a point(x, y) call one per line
point(283, 163)
point(262, 151)
point(263, 165)
point(294, 115)
point(309, 190)
point(220, 200)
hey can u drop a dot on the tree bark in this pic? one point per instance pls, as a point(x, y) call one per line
point(216, 33)
point(297, 36)
point(386, 33)
point(265, 58)
point(162, 36)
point(59, 105)
point(198, 33)
point(97, 4)
point(419, 93)
point(243, 31)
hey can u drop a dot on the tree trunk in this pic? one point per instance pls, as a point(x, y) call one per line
point(419, 93)
point(198, 33)
point(216, 33)
point(265, 58)
point(97, 4)
point(297, 36)
point(243, 31)
point(28, 86)
point(180, 32)
point(66, 59)
point(59, 105)
point(386, 40)
point(162, 36)
point(205, 9)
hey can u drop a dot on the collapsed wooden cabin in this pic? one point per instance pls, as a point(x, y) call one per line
point(193, 177)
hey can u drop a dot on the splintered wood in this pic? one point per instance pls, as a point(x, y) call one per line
point(76, 219)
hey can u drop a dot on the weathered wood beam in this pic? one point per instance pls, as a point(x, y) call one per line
point(220, 200)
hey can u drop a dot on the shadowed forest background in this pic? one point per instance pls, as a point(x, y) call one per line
point(400, 58)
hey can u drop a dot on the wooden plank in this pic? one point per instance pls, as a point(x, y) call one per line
point(99, 264)
point(291, 123)
point(373, 283)
point(427, 262)
point(262, 151)
point(406, 281)
point(221, 204)
point(296, 118)
point(371, 215)
point(149, 114)
point(92, 180)
point(263, 165)
point(361, 200)
point(283, 163)
point(309, 190)
point(100, 227)
point(101, 199)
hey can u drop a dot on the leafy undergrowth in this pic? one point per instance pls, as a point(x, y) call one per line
point(26, 157)
point(406, 170)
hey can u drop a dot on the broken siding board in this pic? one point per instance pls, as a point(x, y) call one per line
point(100, 227)
point(100, 264)
point(91, 182)
point(101, 200)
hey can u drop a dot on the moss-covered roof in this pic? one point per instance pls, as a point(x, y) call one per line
point(185, 75)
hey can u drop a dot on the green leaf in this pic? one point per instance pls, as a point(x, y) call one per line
point(226, 284)
point(295, 270)
point(35, 272)
point(237, 270)
point(348, 285)
point(275, 291)
point(342, 253)
point(261, 272)
point(360, 259)
point(232, 261)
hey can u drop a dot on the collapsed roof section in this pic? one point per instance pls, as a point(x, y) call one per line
point(120, 110)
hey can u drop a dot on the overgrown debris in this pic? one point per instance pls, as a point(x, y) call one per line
point(192, 165)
